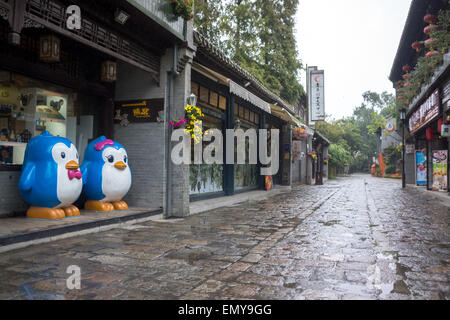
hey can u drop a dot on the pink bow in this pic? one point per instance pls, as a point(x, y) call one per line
point(101, 145)
point(74, 174)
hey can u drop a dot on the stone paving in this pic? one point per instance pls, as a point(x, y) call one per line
point(353, 238)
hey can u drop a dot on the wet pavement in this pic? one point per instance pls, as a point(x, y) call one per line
point(353, 238)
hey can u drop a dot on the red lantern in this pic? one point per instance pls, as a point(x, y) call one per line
point(417, 45)
point(432, 54)
point(430, 28)
point(429, 134)
point(439, 125)
point(406, 68)
point(430, 42)
point(430, 18)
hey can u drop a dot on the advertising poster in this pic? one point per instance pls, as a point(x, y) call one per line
point(440, 170)
point(296, 150)
point(421, 165)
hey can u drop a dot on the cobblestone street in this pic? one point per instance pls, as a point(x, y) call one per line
point(353, 238)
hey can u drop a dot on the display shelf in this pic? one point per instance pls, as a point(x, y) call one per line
point(12, 144)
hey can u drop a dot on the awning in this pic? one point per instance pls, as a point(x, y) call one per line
point(243, 93)
point(288, 117)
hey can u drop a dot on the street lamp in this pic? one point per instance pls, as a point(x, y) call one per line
point(192, 100)
point(403, 118)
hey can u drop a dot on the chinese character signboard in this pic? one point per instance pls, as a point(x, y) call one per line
point(427, 112)
point(140, 110)
point(317, 95)
point(446, 96)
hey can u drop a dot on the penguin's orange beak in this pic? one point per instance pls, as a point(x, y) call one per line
point(120, 165)
point(72, 165)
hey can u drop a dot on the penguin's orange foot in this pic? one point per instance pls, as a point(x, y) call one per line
point(92, 205)
point(120, 205)
point(45, 213)
point(71, 211)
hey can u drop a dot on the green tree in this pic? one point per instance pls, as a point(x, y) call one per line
point(259, 36)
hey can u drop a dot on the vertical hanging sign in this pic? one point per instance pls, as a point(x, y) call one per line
point(317, 95)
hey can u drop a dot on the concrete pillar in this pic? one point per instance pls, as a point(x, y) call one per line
point(286, 155)
point(176, 198)
point(309, 163)
point(325, 165)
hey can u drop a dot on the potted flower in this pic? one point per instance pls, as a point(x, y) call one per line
point(183, 8)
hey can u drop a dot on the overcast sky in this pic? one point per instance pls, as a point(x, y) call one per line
point(355, 42)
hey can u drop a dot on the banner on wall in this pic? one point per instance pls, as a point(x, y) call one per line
point(440, 158)
point(421, 168)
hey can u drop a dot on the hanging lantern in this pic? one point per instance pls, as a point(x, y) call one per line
point(432, 54)
point(439, 125)
point(109, 71)
point(430, 42)
point(406, 68)
point(430, 18)
point(430, 29)
point(49, 48)
point(429, 134)
point(417, 45)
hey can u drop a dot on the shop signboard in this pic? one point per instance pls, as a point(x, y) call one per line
point(427, 112)
point(296, 150)
point(140, 110)
point(446, 97)
point(440, 158)
point(409, 148)
point(421, 168)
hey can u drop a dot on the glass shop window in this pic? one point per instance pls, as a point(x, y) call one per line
point(26, 112)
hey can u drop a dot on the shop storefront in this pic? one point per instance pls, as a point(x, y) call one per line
point(431, 148)
point(207, 179)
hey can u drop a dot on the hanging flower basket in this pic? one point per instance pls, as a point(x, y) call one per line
point(300, 133)
point(178, 123)
point(430, 18)
point(193, 115)
point(417, 45)
point(430, 29)
point(183, 8)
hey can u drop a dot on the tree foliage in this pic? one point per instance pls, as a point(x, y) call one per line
point(259, 36)
point(357, 134)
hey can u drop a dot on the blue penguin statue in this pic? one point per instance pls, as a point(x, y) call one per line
point(51, 180)
point(106, 175)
